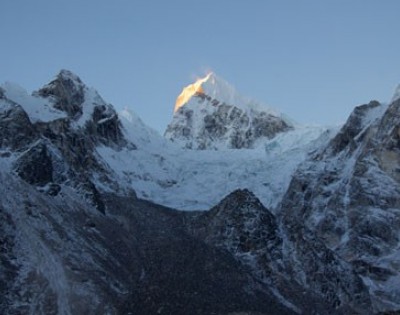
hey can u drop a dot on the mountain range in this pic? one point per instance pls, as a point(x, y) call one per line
point(237, 209)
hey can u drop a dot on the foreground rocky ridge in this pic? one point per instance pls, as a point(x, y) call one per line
point(71, 231)
point(305, 275)
point(142, 258)
point(58, 254)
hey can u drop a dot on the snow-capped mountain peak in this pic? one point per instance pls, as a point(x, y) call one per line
point(69, 75)
point(66, 80)
point(211, 114)
point(218, 90)
point(212, 86)
point(189, 91)
point(67, 92)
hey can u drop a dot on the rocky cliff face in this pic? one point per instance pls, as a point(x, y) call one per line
point(49, 152)
point(291, 261)
point(215, 116)
point(348, 193)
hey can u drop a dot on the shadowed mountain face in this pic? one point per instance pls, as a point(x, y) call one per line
point(72, 230)
point(143, 258)
point(59, 254)
point(348, 195)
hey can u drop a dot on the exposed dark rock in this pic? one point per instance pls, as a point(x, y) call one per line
point(76, 147)
point(53, 190)
point(90, 191)
point(105, 126)
point(68, 94)
point(16, 130)
point(50, 189)
point(235, 224)
point(354, 125)
point(377, 273)
point(35, 165)
point(8, 266)
point(64, 151)
point(67, 90)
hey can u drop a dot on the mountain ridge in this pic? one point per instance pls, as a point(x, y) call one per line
point(305, 221)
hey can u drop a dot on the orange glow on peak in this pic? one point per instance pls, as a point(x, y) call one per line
point(189, 91)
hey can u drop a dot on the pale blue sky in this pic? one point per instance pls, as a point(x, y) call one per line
point(311, 59)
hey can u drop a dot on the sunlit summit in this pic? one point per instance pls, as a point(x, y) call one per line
point(189, 91)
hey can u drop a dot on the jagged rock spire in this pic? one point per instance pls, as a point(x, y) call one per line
point(68, 90)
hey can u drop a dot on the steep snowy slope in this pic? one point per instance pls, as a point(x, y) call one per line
point(211, 114)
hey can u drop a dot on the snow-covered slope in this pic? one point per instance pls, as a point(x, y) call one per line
point(195, 180)
point(38, 109)
point(211, 114)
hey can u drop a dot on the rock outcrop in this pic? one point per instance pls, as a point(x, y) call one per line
point(68, 92)
point(16, 130)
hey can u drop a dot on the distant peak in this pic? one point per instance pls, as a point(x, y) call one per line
point(214, 87)
point(219, 91)
point(69, 75)
point(68, 89)
point(67, 80)
point(191, 90)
